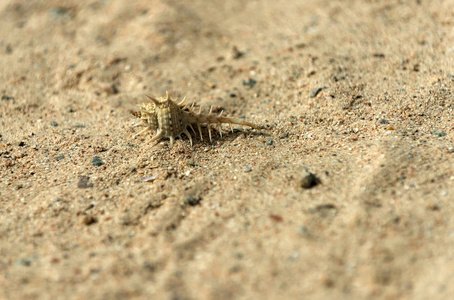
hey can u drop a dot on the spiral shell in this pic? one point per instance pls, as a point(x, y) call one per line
point(170, 119)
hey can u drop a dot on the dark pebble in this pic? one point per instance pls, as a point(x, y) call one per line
point(324, 210)
point(84, 182)
point(322, 207)
point(276, 218)
point(236, 53)
point(25, 262)
point(58, 158)
point(251, 82)
point(53, 123)
point(21, 144)
point(7, 98)
point(8, 49)
point(232, 95)
point(383, 121)
point(247, 168)
point(307, 180)
point(439, 133)
point(96, 161)
point(269, 142)
point(89, 220)
point(193, 201)
point(315, 92)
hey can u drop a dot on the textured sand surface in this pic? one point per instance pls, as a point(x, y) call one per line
point(357, 93)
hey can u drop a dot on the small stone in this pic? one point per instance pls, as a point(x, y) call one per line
point(315, 92)
point(247, 168)
point(7, 98)
point(54, 124)
point(25, 262)
point(193, 201)
point(83, 182)
point(383, 121)
point(251, 82)
point(89, 220)
point(307, 179)
point(58, 158)
point(96, 161)
point(439, 133)
point(236, 53)
point(324, 210)
point(232, 95)
point(8, 49)
point(269, 142)
point(276, 218)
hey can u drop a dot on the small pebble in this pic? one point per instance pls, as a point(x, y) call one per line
point(8, 49)
point(54, 124)
point(193, 201)
point(247, 168)
point(25, 262)
point(7, 98)
point(58, 158)
point(89, 220)
point(97, 162)
point(315, 92)
point(439, 133)
point(83, 182)
point(307, 179)
point(276, 218)
point(251, 82)
point(269, 142)
point(236, 53)
point(149, 178)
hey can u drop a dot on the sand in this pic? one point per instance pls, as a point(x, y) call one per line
point(346, 191)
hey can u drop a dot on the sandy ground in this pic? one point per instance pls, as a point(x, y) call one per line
point(355, 97)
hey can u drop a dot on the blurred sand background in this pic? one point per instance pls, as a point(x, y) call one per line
point(358, 93)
